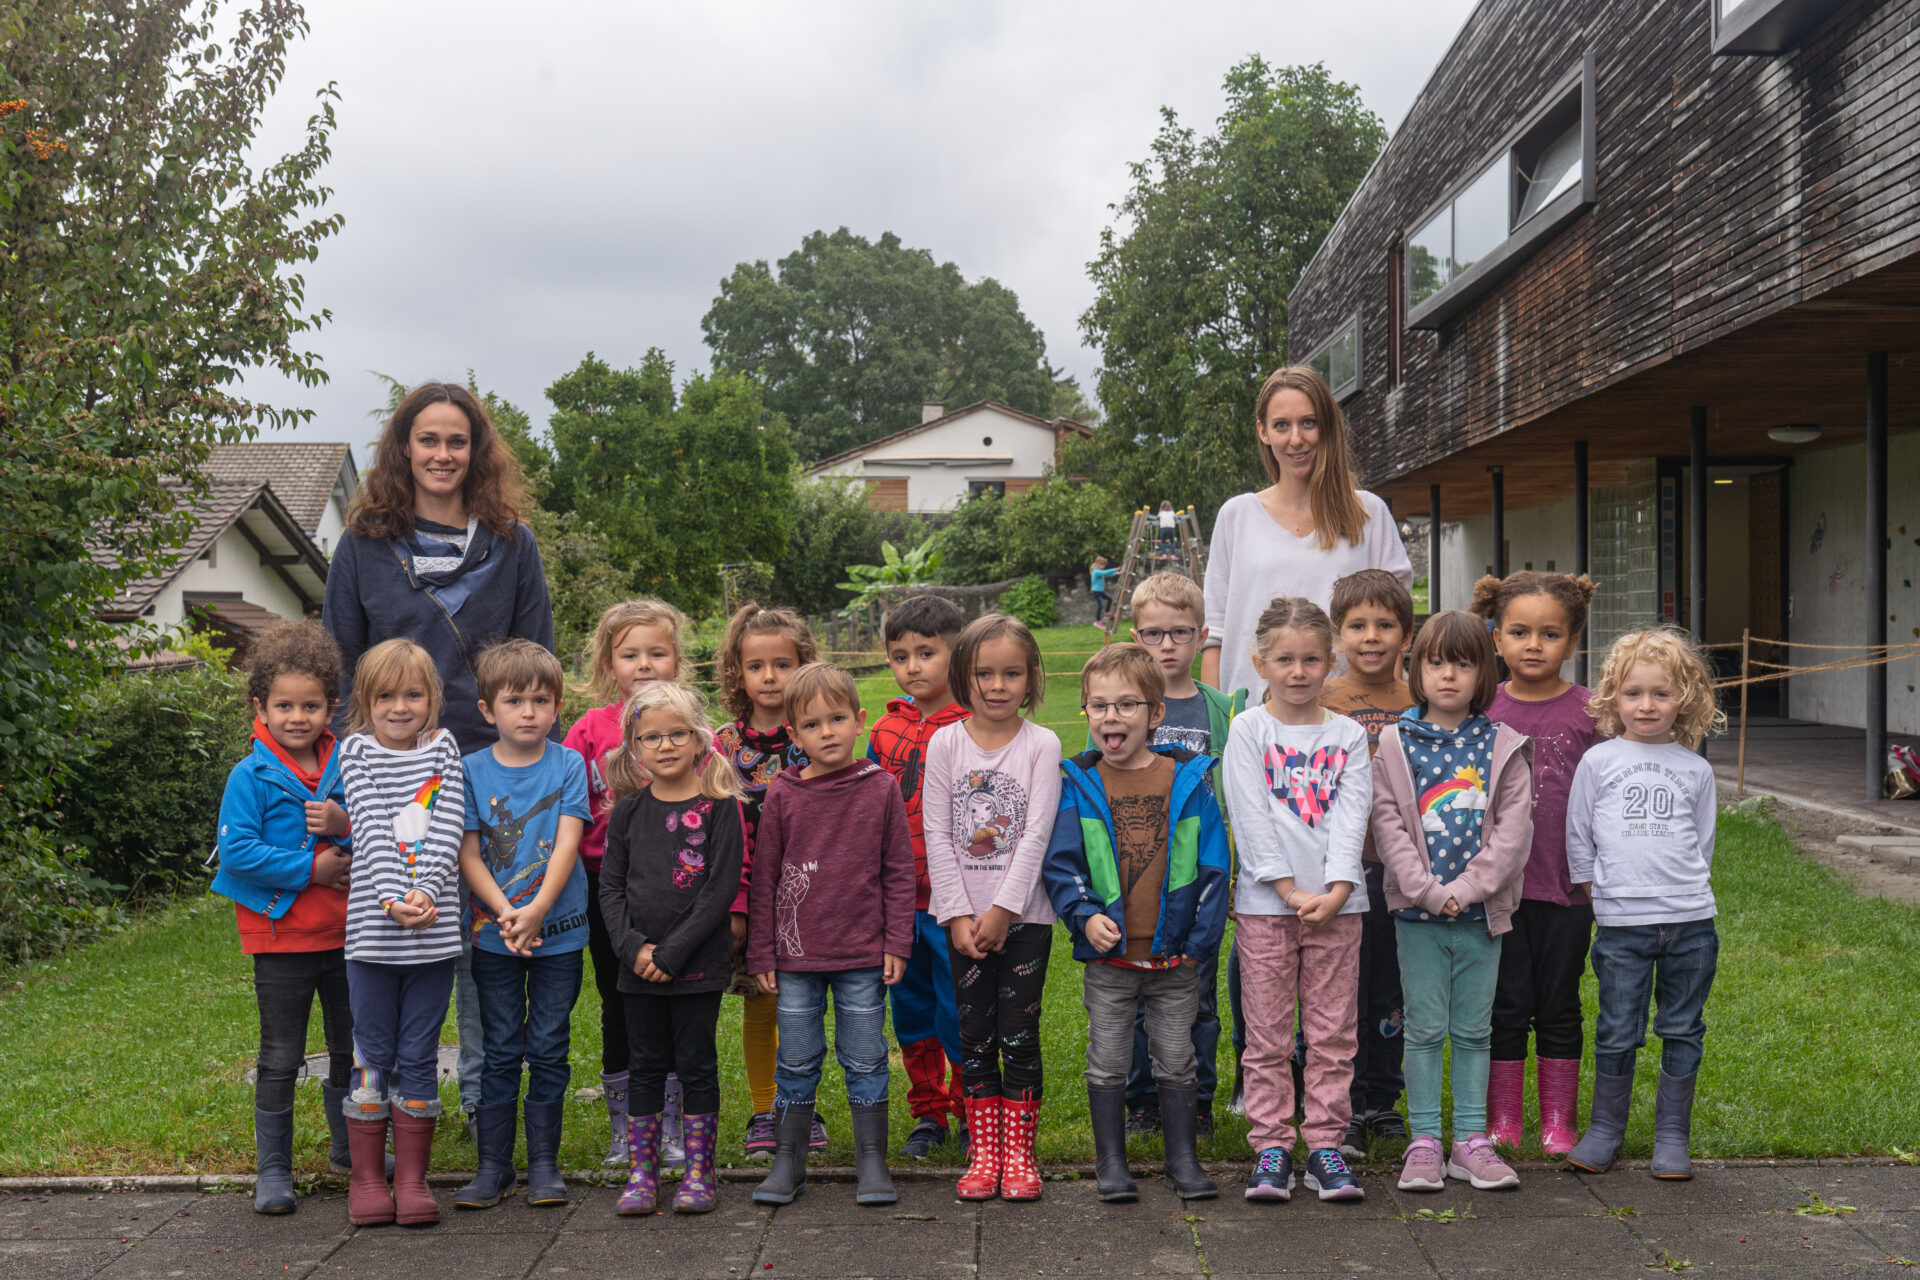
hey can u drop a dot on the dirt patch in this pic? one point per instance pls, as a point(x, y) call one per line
point(1875, 874)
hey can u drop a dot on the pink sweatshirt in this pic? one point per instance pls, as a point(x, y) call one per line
point(988, 816)
point(596, 735)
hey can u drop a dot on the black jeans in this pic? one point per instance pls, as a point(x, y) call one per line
point(1541, 961)
point(999, 1008)
point(672, 1035)
point(284, 984)
point(1377, 1080)
point(606, 980)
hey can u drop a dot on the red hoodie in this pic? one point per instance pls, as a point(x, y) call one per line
point(317, 920)
point(898, 744)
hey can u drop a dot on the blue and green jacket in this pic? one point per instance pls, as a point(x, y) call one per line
point(1082, 875)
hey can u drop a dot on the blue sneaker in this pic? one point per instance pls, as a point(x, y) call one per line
point(1328, 1174)
point(1272, 1176)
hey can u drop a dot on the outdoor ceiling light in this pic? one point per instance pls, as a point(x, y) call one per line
point(1795, 432)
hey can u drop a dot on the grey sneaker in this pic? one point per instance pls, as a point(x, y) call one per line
point(1424, 1168)
point(1475, 1161)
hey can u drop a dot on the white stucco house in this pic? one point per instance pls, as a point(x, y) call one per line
point(947, 457)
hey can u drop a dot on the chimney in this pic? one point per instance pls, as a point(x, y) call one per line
point(931, 410)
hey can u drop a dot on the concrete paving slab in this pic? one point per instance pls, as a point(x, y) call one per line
point(938, 1250)
point(735, 1211)
point(1152, 1248)
point(319, 1219)
point(1886, 1186)
point(219, 1258)
point(1759, 1240)
point(424, 1253)
point(624, 1255)
point(1474, 1246)
point(833, 1202)
point(103, 1214)
point(1542, 1193)
point(1306, 1206)
point(1284, 1245)
point(1897, 1233)
point(1076, 1205)
point(1722, 1191)
point(56, 1259)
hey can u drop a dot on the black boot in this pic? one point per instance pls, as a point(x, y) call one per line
point(793, 1130)
point(544, 1183)
point(870, 1154)
point(1599, 1146)
point(1107, 1108)
point(1673, 1126)
point(1177, 1119)
point(493, 1180)
point(273, 1161)
point(339, 1153)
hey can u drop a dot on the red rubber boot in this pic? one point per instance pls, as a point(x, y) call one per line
point(1019, 1175)
point(985, 1120)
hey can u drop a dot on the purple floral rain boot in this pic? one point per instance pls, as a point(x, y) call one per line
point(698, 1192)
point(643, 1166)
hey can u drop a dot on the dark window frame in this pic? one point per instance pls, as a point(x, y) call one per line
point(1766, 28)
point(1478, 279)
point(1359, 380)
point(977, 487)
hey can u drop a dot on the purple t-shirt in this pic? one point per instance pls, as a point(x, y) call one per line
point(1562, 732)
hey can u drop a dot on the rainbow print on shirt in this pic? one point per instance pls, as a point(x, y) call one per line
point(411, 823)
point(1464, 790)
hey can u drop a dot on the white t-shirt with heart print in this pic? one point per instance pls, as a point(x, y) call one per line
point(1300, 797)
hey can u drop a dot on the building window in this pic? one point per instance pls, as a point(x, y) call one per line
point(998, 488)
point(1540, 176)
point(1338, 359)
point(1762, 28)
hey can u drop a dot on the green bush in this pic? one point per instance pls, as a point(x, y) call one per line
point(49, 901)
point(143, 806)
point(1059, 527)
point(835, 527)
point(1031, 600)
point(970, 543)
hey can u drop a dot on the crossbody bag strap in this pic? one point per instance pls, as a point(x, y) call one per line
point(407, 569)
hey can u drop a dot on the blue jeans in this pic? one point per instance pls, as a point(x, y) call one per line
point(1673, 964)
point(398, 1010)
point(526, 1015)
point(859, 1034)
point(1447, 975)
point(923, 1002)
point(1206, 1040)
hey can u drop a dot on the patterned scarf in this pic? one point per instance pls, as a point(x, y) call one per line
point(452, 586)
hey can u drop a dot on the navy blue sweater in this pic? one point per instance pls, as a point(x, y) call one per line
point(499, 592)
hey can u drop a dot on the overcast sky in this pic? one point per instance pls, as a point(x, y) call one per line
point(525, 183)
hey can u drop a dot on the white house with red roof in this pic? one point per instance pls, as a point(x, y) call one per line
point(947, 457)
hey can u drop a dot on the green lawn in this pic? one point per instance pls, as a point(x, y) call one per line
point(128, 1056)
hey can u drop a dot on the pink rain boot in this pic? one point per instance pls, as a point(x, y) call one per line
point(1506, 1102)
point(1558, 1080)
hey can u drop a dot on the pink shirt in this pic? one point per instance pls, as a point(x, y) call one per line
point(596, 735)
point(1562, 733)
point(988, 816)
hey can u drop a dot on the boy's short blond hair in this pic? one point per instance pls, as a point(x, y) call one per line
point(817, 681)
point(1133, 663)
point(1174, 590)
point(518, 666)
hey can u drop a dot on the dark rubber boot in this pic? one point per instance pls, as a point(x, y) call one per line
point(870, 1154)
point(544, 1183)
point(493, 1181)
point(1599, 1146)
point(1177, 1121)
point(273, 1161)
point(1107, 1109)
point(1673, 1126)
point(793, 1128)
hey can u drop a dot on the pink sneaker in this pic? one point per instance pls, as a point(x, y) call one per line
point(1475, 1161)
point(1424, 1168)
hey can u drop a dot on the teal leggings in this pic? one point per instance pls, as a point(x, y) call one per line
point(1447, 976)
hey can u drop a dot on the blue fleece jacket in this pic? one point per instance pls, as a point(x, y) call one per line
point(374, 593)
point(1081, 872)
point(266, 854)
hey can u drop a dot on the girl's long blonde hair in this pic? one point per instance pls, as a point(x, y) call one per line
point(718, 778)
point(616, 622)
point(384, 668)
point(1337, 513)
point(1699, 715)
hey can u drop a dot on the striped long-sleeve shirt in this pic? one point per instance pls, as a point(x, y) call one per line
point(408, 811)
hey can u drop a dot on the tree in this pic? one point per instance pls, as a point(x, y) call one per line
point(849, 337)
point(1190, 310)
point(835, 526)
point(678, 483)
point(150, 260)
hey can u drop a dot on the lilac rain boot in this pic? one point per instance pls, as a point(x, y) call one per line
point(698, 1192)
point(643, 1166)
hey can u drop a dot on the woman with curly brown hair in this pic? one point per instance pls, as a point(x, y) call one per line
point(435, 552)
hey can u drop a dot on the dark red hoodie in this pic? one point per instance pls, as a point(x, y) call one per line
point(833, 875)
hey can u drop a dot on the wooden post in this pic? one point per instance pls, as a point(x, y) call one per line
point(1746, 674)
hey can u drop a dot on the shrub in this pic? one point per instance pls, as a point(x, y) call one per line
point(1059, 527)
point(834, 527)
point(970, 543)
point(49, 901)
point(1031, 600)
point(143, 806)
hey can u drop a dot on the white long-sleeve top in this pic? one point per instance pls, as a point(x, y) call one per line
point(1300, 797)
point(1640, 822)
point(1252, 558)
point(409, 815)
point(988, 816)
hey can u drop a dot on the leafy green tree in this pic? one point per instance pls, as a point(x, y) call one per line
point(150, 260)
point(970, 541)
point(677, 482)
point(1059, 527)
point(850, 337)
point(1190, 312)
point(834, 526)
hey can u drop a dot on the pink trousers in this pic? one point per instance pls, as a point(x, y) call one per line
point(1286, 965)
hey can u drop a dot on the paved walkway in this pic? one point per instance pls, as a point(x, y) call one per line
point(1621, 1225)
